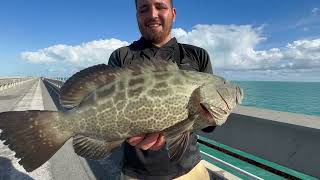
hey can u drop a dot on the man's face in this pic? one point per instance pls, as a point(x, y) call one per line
point(155, 18)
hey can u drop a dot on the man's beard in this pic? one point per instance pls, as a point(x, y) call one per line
point(155, 37)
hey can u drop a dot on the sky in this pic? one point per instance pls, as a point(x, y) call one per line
point(267, 40)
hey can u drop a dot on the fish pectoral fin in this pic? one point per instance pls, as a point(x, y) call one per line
point(177, 146)
point(92, 148)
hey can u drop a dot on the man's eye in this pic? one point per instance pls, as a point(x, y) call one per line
point(143, 9)
point(162, 7)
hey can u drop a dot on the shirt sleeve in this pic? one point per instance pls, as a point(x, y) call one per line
point(114, 59)
point(205, 65)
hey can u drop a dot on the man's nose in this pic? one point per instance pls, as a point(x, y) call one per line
point(154, 12)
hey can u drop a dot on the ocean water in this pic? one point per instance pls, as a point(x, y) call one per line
point(296, 97)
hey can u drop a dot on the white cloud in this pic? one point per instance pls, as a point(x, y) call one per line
point(82, 55)
point(233, 48)
point(307, 51)
point(315, 11)
point(38, 57)
point(226, 44)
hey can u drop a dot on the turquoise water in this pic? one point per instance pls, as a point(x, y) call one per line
point(296, 97)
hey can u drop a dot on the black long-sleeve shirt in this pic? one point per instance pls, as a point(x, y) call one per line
point(156, 164)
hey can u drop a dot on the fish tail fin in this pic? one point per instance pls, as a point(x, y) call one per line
point(33, 135)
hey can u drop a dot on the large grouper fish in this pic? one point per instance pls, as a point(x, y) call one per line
point(108, 105)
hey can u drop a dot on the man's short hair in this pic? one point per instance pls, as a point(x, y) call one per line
point(135, 1)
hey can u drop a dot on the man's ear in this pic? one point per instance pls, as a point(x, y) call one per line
point(174, 13)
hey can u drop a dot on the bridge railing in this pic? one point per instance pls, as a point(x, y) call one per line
point(54, 82)
point(12, 82)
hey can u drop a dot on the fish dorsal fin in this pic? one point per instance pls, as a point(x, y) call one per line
point(153, 65)
point(93, 148)
point(85, 81)
point(81, 84)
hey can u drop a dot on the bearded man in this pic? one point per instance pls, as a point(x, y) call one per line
point(145, 156)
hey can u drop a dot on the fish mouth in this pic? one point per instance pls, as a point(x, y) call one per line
point(207, 112)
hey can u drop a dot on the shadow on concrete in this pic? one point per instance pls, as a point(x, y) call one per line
point(106, 169)
point(8, 97)
point(7, 171)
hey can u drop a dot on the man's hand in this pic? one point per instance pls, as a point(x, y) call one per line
point(153, 141)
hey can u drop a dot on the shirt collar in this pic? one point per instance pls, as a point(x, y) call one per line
point(143, 43)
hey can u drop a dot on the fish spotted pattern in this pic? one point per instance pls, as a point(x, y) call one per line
point(108, 105)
